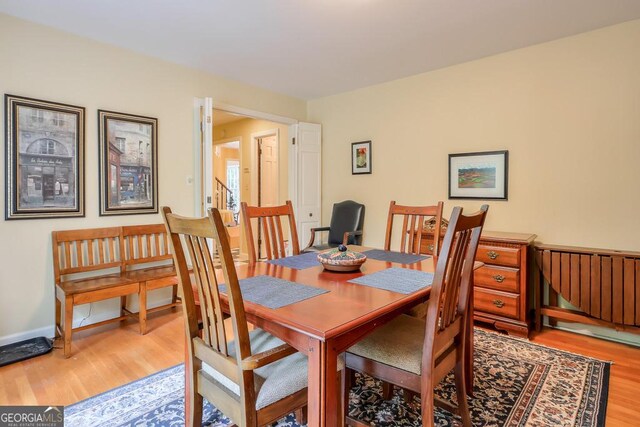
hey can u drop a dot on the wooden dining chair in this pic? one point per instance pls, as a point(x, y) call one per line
point(269, 224)
point(412, 226)
point(254, 379)
point(416, 354)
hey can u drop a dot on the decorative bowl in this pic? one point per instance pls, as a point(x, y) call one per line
point(341, 260)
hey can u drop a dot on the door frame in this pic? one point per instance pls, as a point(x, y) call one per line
point(254, 158)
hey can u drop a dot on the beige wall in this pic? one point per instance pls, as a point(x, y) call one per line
point(43, 63)
point(244, 129)
point(568, 111)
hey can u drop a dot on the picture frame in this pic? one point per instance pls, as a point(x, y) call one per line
point(128, 163)
point(480, 175)
point(44, 159)
point(361, 158)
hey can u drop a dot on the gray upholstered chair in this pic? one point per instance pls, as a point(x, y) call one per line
point(416, 354)
point(347, 220)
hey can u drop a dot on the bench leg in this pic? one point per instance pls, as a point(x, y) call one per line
point(174, 294)
point(68, 325)
point(142, 302)
point(123, 305)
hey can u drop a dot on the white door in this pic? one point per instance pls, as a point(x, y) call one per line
point(203, 120)
point(269, 171)
point(306, 165)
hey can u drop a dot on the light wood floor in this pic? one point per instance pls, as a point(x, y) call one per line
point(112, 355)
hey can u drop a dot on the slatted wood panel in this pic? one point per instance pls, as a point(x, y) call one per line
point(76, 251)
point(603, 284)
point(145, 244)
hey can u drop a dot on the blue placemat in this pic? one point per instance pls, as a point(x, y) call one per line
point(274, 293)
point(401, 280)
point(297, 262)
point(392, 256)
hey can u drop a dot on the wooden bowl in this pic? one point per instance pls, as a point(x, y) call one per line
point(341, 261)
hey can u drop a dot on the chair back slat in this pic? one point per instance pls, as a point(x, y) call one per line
point(412, 226)
point(82, 251)
point(450, 291)
point(192, 239)
point(269, 221)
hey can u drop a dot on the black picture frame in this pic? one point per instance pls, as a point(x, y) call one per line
point(361, 158)
point(480, 175)
point(128, 163)
point(44, 159)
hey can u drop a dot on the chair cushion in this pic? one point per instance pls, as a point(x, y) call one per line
point(398, 344)
point(273, 382)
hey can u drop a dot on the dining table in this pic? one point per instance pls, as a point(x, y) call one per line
point(324, 326)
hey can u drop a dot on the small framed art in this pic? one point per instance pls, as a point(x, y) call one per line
point(44, 159)
point(128, 163)
point(360, 157)
point(483, 175)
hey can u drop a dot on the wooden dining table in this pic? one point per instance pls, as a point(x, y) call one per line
point(326, 325)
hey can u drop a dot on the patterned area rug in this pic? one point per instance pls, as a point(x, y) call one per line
point(517, 384)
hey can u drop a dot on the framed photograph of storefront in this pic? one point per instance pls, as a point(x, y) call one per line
point(128, 163)
point(44, 163)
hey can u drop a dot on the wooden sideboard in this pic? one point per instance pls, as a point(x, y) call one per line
point(500, 294)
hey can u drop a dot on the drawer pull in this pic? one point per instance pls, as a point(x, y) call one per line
point(499, 278)
point(498, 303)
point(430, 247)
point(492, 254)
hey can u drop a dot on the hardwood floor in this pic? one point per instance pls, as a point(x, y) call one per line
point(112, 355)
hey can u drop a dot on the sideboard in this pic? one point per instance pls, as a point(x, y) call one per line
point(501, 297)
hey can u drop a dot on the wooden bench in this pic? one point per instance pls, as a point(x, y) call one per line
point(96, 264)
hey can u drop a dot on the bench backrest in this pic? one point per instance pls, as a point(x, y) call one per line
point(145, 244)
point(80, 251)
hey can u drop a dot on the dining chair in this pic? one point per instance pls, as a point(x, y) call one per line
point(416, 354)
point(269, 226)
point(412, 226)
point(347, 220)
point(254, 379)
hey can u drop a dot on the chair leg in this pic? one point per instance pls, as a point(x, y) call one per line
point(142, 311)
point(123, 305)
point(427, 406)
point(174, 294)
point(387, 390)
point(58, 318)
point(301, 415)
point(461, 387)
point(68, 325)
point(408, 395)
point(195, 410)
point(348, 376)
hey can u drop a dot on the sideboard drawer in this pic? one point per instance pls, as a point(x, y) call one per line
point(498, 278)
point(496, 302)
point(498, 255)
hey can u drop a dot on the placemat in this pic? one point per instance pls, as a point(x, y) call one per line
point(392, 256)
point(401, 280)
point(297, 262)
point(274, 293)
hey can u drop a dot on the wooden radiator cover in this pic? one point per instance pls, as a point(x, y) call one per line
point(603, 284)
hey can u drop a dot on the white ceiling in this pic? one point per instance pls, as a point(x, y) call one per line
point(310, 49)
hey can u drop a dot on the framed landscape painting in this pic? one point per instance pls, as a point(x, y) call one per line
point(479, 175)
point(44, 164)
point(128, 163)
point(360, 157)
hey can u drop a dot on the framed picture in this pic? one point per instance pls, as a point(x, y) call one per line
point(128, 163)
point(44, 164)
point(479, 175)
point(360, 157)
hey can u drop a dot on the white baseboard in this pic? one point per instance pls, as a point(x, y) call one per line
point(46, 331)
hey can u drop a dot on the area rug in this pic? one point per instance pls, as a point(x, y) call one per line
point(517, 384)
